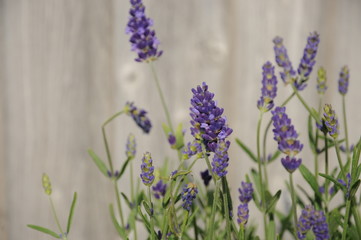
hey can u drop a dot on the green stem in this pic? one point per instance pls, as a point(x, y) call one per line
point(345, 223)
point(346, 131)
point(225, 202)
point(211, 223)
point(293, 196)
point(118, 202)
point(184, 223)
point(263, 199)
point(339, 159)
point(57, 219)
point(160, 92)
point(241, 234)
point(133, 196)
point(326, 170)
point(151, 215)
point(316, 142)
point(356, 215)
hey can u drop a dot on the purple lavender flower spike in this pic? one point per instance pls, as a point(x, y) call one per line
point(130, 146)
point(245, 192)
point(291, 163)
point(159, 189)
point(172, 140)
point(269, 88)
point(282, 59)
point(330, 121)
point(305, 222)
point(321, 81)
point(192, 149)
point(206, 177)
point(147, 168)
point(310, 218)
point(309, 54)
point(344, 80)
point(208, 124)
point(320, 226)
point(220, 159)
point(139, 116)
point(143, 39)
point(243, 214)
point(188, 195)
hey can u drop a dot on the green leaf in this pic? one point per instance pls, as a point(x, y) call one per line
point(181, 173)
point(247, 150)
point(44, 230)
point(330, 144)
point(334, 180)
point(126, 200)
point(275, 156)
point(71, 213)
point(125, 164)
point(166, 129)
point(121, 231)
point(335, 220)
point(310, 178)
point(145, 220)
point(355, 159)
point(100, 164)
point(147, 208)
point(271, 230)
point(315, 115)
point(190, 219)
point(354, 188)
point(179, 136)
point(256, 180)
point(273, 201)
point(311, 138)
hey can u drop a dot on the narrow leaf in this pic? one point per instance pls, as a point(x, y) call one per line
point(127, 200)
point(334, 180)
point(256, 180)
point(275, 156)
point(180, 173)
point(246, 149)
point(100, 164)
point(71, 213)
point(271, 230)
point(147, 208)
point(354, 188)
point(125, 164)
point(43, 230)
point(311, 138)
point(145, 220)
point(119, 229)
point(310, 178)
point(273, 201)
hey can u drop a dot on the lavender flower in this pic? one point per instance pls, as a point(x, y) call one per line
point(243, 214)
point(208, 124)
point(139, 116)
point(285, 133)
point(309, 54)
point(347, 185)
point(283, 61)
point(343, 148)
point(192, 149)
point(220, 159)
point(130, 146)
point(245, 192)
point(321, 81)
point(172, 140)
point(206, 177)
point(188, 195)
point(310, 218)
point(329, 120)
point(143, 39)
point(291, 163)
point(159, 189)
point(269, 88)
point(343, 81)
point(147, 169)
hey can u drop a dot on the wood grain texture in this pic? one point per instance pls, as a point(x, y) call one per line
point(65, 67)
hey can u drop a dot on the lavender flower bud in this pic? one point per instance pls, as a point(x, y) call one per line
point(269, 88)
point(206, 177)
point(220, 159)
point(192, 149)
point(330, 122)
point(159, 189)
point(343, 81)
point(291, 163)
point(243, 214)
point(139, 116)
point(309, 54)
point(130, 146)
point(283, 61)
point(143, 39)
point(188, 195)
point(172, 140)
point(208, 124)
point(147, 168)
point(245, 192)
point(46, 184)
point(321, 81)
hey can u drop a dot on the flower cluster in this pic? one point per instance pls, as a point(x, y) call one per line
point(220, 158)
point(206, 177)
point(188, 195)
point(283, 60)
point(347, 185)
point(286, 137)
point(245, 196)
point(208, 124)
point(194, 148)
point(159, 189)
point(321, 80)
point(309, 54)
point(329, 120)
point(147, 168)
point(139, 116)
point(343, 81)
point(130, 148)
point(311, 218)
point(269, 88)
point(143, 39)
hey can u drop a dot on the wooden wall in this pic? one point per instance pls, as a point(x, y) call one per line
point(65, 66)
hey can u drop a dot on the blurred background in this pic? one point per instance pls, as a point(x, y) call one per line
point(66, 66)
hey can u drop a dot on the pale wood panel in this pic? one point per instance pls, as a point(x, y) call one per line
point(66, 67)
